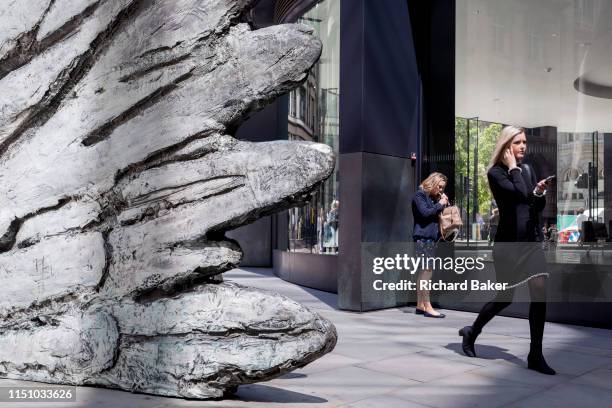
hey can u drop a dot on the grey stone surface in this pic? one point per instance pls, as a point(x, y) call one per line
point(387, 401)
point(597, 378)
point(567, 396)
point(118, 180)
point(572, 363)
point(349, 384)
point(516, 373)
point(466, 390)
point(430, 368)
point(392, 350)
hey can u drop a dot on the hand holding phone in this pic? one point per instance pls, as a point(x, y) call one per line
point(542, 184)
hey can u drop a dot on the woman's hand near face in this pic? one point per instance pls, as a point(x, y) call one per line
point(508, 159)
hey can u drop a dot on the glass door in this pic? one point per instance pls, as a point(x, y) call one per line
point(580, 184)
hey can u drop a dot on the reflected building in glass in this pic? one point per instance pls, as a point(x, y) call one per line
point(538, 65)
point(314, 116)
point(405, 88)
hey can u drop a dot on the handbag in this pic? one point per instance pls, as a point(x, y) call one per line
point(450, 222)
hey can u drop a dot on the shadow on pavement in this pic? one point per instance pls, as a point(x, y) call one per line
point(293, 375)
point(486, 352)
point(266, 393)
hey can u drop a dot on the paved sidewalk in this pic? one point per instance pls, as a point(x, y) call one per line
point(393, 358)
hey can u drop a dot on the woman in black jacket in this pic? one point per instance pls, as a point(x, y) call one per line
point(427, 203)
point(520, 199)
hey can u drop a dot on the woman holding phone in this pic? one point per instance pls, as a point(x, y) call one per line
point(427, 203)
point(520, 199)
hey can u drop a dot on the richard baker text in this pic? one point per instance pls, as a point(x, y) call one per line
point(472, 285)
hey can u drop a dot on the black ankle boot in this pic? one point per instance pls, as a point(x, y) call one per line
point(536, 362)
point(469, 335)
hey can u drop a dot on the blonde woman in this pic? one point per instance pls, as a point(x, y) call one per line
point(520, 199)
point(428, 202)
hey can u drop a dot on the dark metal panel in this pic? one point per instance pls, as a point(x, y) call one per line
point(351, 75)
point(388, 185)
point(310, 270)
point(379, 81)
point(267, 124)
point(256, 242)
point(433, 30)
point(349, 261)
point(390, 80)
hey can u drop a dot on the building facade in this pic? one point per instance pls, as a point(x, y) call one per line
point(404, 88)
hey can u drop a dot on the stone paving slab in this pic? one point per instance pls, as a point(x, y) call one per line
point(598, 378)
point(577, 349)
point(383, 351)
point(386, 401)
point(492, 355)
point(520, 375)
point(394, 358)
point(466, 390)
point(419, 367)
point(330, 362)
point(567, 395)
point(569, 362)
point(344, 385)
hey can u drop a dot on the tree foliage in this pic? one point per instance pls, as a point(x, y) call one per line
point(482, 138)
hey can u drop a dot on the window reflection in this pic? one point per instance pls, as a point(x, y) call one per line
point(543, 66)
point(314, 116)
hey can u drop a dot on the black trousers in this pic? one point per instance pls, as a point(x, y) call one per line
point(537, 310)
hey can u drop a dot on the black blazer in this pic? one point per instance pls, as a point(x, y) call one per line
point(519, 208)
point(425, 213)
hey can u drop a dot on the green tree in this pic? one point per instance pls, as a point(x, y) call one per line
point(482, 137)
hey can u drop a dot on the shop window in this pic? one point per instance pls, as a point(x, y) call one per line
point(315, 227)
point(518, 62)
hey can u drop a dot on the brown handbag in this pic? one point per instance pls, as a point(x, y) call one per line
point(450, 222)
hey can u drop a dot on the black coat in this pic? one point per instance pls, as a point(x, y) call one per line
point(425, 213)
point(519, 208)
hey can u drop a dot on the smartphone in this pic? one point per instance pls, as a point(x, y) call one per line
point(550, 178)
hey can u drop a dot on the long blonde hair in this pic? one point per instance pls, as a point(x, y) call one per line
point(505, 138)
point(432, 181)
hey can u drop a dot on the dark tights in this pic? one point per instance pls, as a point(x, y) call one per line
point(537, 310)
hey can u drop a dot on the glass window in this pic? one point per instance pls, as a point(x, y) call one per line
point(315, 226)
point(543, 66)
